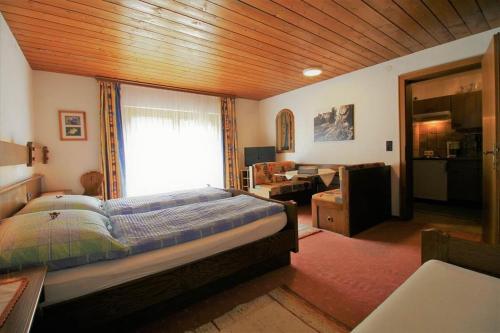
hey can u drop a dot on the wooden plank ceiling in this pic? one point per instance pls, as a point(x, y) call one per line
point(248, 48)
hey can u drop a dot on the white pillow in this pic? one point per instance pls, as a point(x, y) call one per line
point(63, 202)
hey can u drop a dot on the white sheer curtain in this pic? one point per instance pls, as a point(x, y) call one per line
point(173, 140)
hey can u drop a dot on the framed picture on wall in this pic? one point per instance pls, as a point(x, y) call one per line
point(335, 125)
point(72, 125)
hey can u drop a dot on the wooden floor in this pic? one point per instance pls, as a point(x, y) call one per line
point(454, 219)
point(280, 310)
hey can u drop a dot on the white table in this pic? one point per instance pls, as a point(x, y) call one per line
point(326, 175)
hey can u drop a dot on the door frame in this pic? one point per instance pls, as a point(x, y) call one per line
point(491, 139)
point(406, 123)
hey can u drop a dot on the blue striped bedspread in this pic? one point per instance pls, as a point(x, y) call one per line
point(148, 203)
point(169, 227)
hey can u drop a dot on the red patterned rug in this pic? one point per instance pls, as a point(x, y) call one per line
point(349, 277)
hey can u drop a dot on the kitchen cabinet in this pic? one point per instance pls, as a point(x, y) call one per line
point(430, 180)
point(421, 106)
point(465, 181)
point(466, 110)
point(452, 180)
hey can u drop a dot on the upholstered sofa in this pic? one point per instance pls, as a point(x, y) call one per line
point(266, 182)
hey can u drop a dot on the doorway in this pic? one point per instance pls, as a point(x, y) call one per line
point(406, 84)
point(441, 132)
point(447, 151)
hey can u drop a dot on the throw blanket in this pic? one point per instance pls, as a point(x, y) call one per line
point(177, 225)
point(142, 204)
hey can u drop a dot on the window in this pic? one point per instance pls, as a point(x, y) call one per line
point(173, 140)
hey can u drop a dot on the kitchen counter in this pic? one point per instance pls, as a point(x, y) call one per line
point(456, 180)
point(448, 159)
point(429, 179)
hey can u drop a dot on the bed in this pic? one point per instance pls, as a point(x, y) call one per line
point(104, 291)
point(456, 289)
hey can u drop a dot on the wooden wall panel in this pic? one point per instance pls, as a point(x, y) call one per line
point(471, 14)
point(491, 12)
point(423, 15)
point(248, 48)
point(447, 14)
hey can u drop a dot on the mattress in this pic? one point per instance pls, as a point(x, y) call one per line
point(78, 281)
point(439, 297)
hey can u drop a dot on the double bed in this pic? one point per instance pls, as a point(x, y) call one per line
point(150, 268)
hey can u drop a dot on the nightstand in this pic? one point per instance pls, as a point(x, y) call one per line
point(21, 316)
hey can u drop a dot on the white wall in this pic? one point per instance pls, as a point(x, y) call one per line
point(374, 92)
point(68, 160)
point(16, 109)
point(248, 126)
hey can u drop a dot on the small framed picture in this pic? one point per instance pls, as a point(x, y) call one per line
point(72, 125)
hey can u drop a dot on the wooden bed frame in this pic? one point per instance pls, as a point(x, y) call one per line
point(166, 290)
point(479, 257)
point(14, 197)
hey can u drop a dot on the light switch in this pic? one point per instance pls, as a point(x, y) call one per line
point(388, 146)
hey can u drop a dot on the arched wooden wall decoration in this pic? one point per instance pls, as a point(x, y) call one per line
point(285, 132)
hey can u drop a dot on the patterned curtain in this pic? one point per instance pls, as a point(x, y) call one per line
point(230, 141)
point(112, 152)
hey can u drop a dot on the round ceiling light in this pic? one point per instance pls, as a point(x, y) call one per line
point(313, 71)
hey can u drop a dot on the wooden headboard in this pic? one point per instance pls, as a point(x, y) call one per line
point(15, 196)
point(15, 154)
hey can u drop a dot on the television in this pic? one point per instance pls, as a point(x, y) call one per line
point(259, 154)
